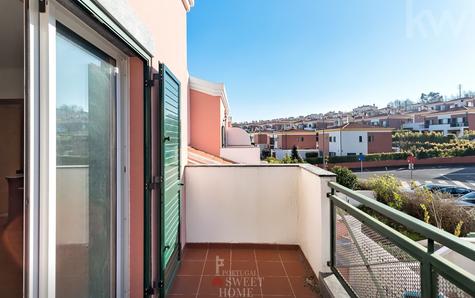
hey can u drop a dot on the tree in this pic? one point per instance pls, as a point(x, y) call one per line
point(295, 154)
point(431, 97)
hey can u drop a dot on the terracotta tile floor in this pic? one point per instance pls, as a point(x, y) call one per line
point(240, 270)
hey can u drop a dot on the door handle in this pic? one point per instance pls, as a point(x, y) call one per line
point(166, 139)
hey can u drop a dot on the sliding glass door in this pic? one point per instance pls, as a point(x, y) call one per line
point(86, 97)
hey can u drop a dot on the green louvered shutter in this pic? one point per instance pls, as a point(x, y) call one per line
point(170, 173)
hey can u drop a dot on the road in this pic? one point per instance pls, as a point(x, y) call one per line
point(460, 176)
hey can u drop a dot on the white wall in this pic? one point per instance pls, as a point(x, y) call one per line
point(314, 219)
point(237, 137)
point(242, 155)
point(349, 142)
point(278, 204)
point(72, 205)
point(232, 204)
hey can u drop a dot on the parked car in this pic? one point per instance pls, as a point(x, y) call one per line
point(433, 187)
point(450, 189)
point(467, 200)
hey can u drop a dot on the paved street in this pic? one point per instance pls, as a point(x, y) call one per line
point(461, 176)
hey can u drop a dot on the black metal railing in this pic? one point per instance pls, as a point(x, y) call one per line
point(372, 259)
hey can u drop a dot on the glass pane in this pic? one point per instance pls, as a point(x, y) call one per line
point(85, 179)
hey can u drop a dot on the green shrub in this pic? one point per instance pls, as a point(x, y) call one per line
point(345, 177)
point(439, 210)
point(314, 160)
point(311, 154)
point(386, 189)
point(286, 160)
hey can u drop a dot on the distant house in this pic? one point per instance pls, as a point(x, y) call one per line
point(353, 139)
point(453, 121)
point(302, 139)
point(387, 121)
point(210, 125)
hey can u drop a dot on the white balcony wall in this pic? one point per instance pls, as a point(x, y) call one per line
point(243, 155)
point(275, 204)
point(73, 209)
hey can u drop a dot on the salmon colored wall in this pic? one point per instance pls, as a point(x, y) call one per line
point(382, 142)
point(471, 121)
point(136, 173)
point(166, 22)
point(289, 141)
point(205, 125)
point(261, 138)
point(324, 143)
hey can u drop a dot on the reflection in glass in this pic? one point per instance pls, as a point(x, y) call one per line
point(85, 179)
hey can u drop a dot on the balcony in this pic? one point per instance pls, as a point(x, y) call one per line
point(272, 230)
point(459, 124)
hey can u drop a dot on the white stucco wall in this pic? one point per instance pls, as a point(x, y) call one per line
point(314, 219)
point(243, 155)
point(351, 144)
point(348, 142)
point(237, 137)
point(221, 206)
point(278, 204)
point(72, 206)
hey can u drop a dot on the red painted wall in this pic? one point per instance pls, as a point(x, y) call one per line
point(300, 141)
point(205, 123)
point(382, 142)
point(323, 142)
point(261, 138)
point(471, 121)
point(136, 174)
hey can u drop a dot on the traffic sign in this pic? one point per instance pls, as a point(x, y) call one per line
point(361, 157)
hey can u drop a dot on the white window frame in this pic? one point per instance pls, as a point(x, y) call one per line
point(46, 274)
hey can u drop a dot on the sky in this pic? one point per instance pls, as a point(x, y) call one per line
point(281, 58)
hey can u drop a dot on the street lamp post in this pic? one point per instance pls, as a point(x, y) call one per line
point(323, 144)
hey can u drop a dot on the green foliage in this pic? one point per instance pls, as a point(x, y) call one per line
point(295, 155)
point(314, 160)
point(387, 189)
point(408, 140)
point(370, 157)
point(286, 160)
point(265, 153)
point(437, 209)
point(345, 177)
point(469, 135)
point(311, 154)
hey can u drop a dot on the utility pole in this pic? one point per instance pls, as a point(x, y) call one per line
point(323, 142)
point(460, 90)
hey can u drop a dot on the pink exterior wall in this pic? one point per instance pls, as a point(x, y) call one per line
point(300, 141)
point(205, 125)
point(324, 142)
point(136, 178)
point(471, 121)
point(261, 138)
point(166, 22)
point(382, 142)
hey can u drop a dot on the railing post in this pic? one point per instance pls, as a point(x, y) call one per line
point(332, 230)
point(429, 285)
